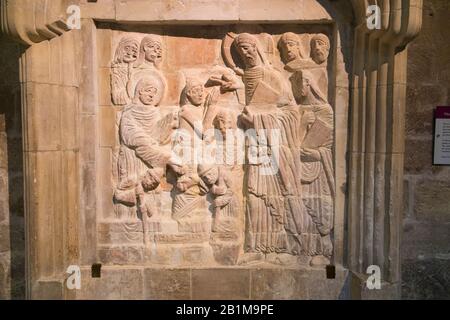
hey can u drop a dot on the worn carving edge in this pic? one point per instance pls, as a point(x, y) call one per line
point(33, 21)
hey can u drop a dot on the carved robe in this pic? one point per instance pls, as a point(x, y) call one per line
point(189, 198)
point(120, 76)
point(225, 236)
point(318, 185)
point(275, 214)
point(143, 134)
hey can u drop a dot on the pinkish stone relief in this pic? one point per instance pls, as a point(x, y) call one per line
point(240, 170)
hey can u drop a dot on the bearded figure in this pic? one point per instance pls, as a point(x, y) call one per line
point(274, 208)
point(292, 53)
point(125, 56)
point(320, 48)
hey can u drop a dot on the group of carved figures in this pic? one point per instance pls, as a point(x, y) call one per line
point(282, 217)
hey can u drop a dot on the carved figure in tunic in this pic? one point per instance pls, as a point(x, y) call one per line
point(225, 236)
point(291, 50)
point(189, 198)
point(317, 169)
point(274, 206)
point(125, 56)
point(143, 155)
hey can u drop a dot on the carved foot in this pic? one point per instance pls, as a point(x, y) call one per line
point(250, 257)
point(282, 259)
point(318, 261)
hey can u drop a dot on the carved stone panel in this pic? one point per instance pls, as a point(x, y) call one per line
point(224, 152)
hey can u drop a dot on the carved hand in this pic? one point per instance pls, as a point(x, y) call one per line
point(247, 117)
point(219, 190)
point(308, 118)
point(177, 168)
point(309, 155)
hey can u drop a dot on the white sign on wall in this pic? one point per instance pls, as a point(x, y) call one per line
point(442, 136)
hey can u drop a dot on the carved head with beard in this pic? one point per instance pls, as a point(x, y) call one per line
point(127, 51)
point(290, 47)
point(320, 48)
point(246, 45)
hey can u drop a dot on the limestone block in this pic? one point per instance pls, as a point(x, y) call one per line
point(120, 232)
point(278, 284)
point(105, 180)
point(45, 171)
point(70, 179)
point(167, 284)
point(54, 61)
point(104, 48)
point(422, 100)
point(123, 284)
point(100, 10)
point(48, 290)
point(37, 57)
point(419, 156)
point(121, 255)
point(104, 91)
point(108, 127)
point(70, 61)
point(431, 200)
point(419, 240)
point(220, 284)
point(319, 287)
point(69, 118)
point(285, 10)
point(201, 10)
point(44, 123)
point(426, 279)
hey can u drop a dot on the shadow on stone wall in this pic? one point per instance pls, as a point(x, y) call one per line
point(12, 227)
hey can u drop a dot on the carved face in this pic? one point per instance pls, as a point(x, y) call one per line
point(153, 51)
point(222, 123)
point(305, 88)
point(211, 176)
point(290, 50)
point(147, 95)
point(196, 95)
point(249, 54)
point(175, 120)
point(319, 51)
point(130, 52)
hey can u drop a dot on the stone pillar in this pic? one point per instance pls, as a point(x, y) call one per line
point(375, 206)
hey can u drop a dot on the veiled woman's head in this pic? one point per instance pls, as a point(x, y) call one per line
point(305, 87)
point(149, 91)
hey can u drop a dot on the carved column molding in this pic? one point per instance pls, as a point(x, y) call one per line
point(33, 21)
point(375, 206)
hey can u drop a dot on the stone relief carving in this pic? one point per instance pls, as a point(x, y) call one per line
point(274, 206)
point(126, 54)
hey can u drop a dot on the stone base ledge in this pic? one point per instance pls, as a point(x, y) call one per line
point(231, 283)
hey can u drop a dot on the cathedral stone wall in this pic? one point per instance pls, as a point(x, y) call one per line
point(426, 224)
